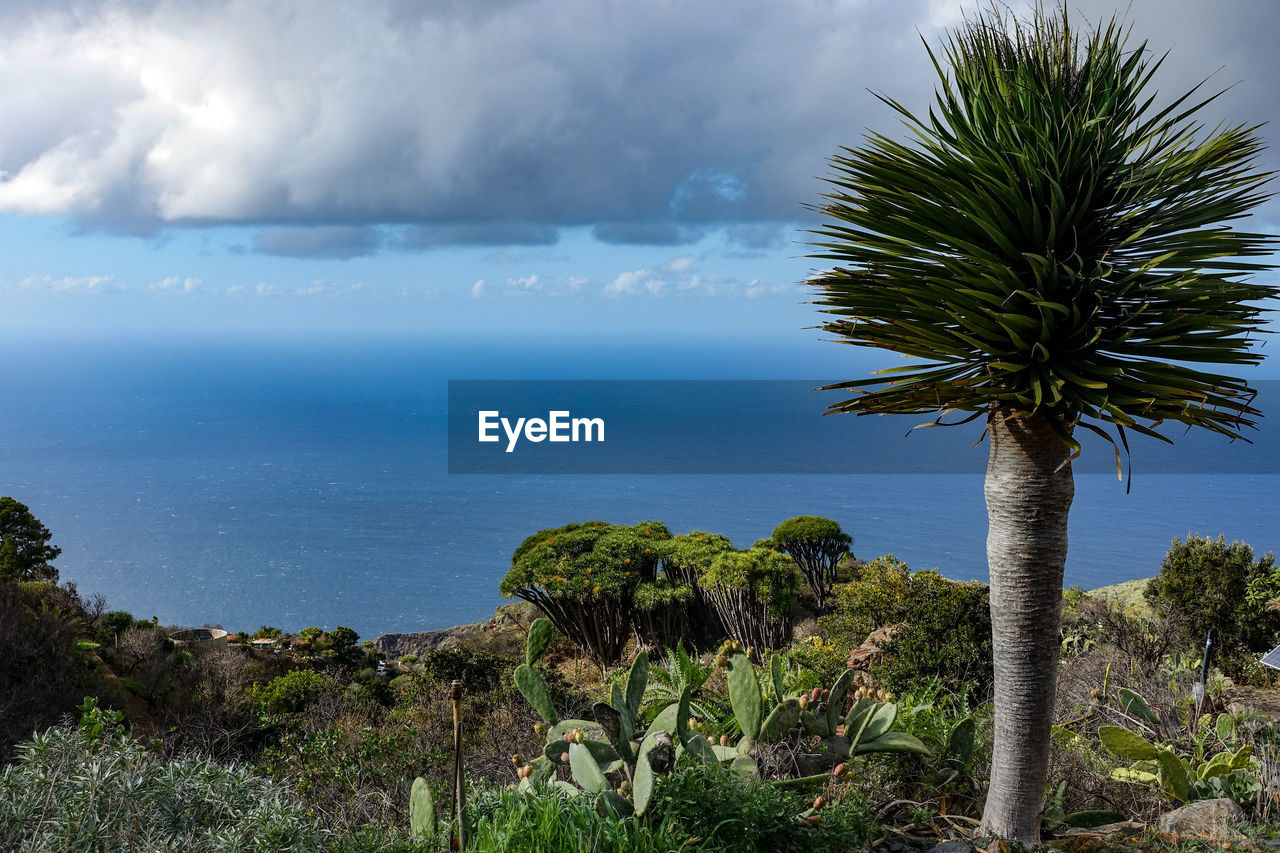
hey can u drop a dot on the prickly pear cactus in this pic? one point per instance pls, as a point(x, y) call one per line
point(422, 809)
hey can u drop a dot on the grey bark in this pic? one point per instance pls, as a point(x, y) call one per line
point(1028, 488)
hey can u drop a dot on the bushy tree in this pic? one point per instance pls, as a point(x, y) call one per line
point(662, 613)
point(752, 592)
point(684, 560)
point(43, 672)
point(585, 578)
point(25, 551)
point(817, 545)
point(1208, 584)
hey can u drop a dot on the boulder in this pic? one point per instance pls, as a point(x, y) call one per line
point(864, 655)
point(1211, 820)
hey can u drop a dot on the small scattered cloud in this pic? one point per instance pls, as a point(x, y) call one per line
point(679, 265)
point(477, 290)
point(331, 242)
point(176, 283)
point(636, 282)
point(72, 284)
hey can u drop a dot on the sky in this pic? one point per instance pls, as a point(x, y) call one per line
point(459, 168)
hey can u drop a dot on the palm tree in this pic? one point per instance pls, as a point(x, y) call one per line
point(1050, 252)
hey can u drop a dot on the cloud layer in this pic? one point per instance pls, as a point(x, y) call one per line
point(489, 122)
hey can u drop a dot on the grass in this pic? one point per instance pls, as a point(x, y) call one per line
point(1129, 594)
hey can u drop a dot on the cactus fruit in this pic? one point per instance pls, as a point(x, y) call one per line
point(724, 740)
point(819, 802)
point(564, 758)
point(839, 770)
point(517, 759)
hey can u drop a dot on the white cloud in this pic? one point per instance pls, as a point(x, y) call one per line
point(71, 284)
point(177, 283)
point(477, 290)
point(682, 264)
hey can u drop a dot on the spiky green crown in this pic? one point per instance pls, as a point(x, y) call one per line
point(1051, 244)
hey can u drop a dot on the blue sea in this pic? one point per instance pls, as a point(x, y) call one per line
point(305, 481)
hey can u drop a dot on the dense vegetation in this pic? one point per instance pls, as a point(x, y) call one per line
point(310, 741)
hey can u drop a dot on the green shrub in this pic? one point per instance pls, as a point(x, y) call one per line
point(292, 692)
point(477, 670)
point(81, 789)
point(721, 811)
point(545, 821)
point(942, 627)
point(1206, 583)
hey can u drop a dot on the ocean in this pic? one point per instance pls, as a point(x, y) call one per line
point(305, 481)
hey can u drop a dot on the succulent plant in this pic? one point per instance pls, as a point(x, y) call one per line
point(422, 809)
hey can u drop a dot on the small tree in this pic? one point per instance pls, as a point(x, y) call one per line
point(817, 545)
point(751, 592)
point(585, 578)
point(25, 551)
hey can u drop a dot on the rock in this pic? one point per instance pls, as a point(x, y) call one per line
point(864, 655)
point(507, 619)
point(1211, 820)
point(1127, 827)
point(951, 847)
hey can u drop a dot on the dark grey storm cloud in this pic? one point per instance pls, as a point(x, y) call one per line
point(338, 242)
point(493, 122)
point(495, 233)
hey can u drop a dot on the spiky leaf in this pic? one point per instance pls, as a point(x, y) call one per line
point(784, 717)
point(642, 783)
point(610, 803)
point(835, 703)
point(536, 692)
point(1136, 706)
point(960, 741)
point(744, 694)
point(1049, 243)
point(1124, 743)
point(892, 742)
point(422, 809)
point(540, 635)
point(586, 772)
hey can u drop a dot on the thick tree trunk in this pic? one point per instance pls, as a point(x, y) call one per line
point(1028, 488)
